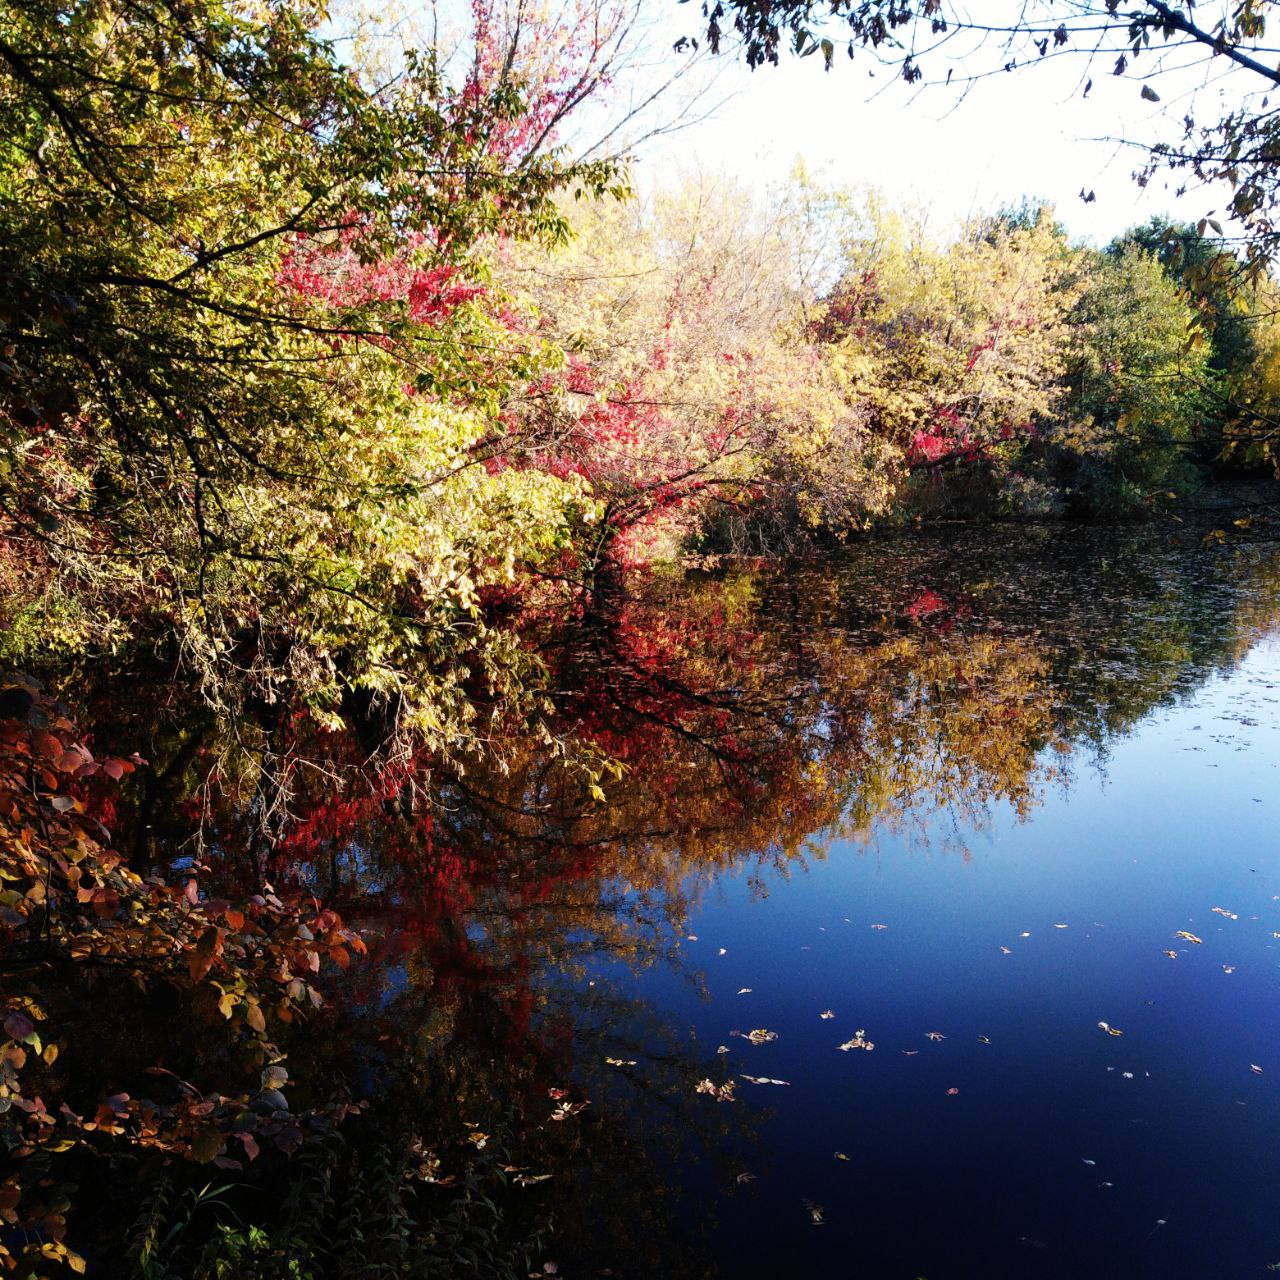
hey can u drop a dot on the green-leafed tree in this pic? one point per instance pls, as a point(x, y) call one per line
point(1135, 399)
point(253, 370)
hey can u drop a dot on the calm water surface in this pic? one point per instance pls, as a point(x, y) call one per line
point(1028, 1141)
point(956, 798)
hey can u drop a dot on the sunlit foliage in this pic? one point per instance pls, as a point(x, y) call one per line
point(253, 365)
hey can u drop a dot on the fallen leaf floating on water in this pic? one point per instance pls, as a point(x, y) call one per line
point(1024, 935)
point(528, 1179)
point(1128, 1075)
point(1257, 1070)
point(951, 1093)
point(758, 1036)
point(621, 1062)
point(840, 1155)
point(1110, 1030)
point(744, 991)
point(879, 926)
point(1061, 926)
point(857, 1042)
point(1173, 955)
point(1190, 937)
point(722, 1048)
point(984, 1040)
point(1006, 951)
point(744, 1178)
point(1222, 911)
point(815, 1212)
point(1228, 968)
point(693, 937)
point(826, 1015)
point(720, 1092)
point(763, 1080)
point(724, 951)
point(1090, 1163)
point(934, 1035)
point(910, 1053)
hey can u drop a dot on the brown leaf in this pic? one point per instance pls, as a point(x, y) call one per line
point(17, 1026)
point(202, 954)
point(206, 1146)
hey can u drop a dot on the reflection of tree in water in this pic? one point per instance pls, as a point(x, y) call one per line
point(758, 717)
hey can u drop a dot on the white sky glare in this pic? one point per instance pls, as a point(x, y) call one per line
point(951, 151)
point(1026, 133)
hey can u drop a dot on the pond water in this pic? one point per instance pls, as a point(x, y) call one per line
point(1030, 1141)
point(932, 928)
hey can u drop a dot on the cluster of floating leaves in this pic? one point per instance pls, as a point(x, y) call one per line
point(720, 1092)
point(759, 1036)
point(857, 1041)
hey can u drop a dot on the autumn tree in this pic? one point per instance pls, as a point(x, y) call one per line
point(1138, 384)
point(691, 393)
point(956, 347)
point(253, 364)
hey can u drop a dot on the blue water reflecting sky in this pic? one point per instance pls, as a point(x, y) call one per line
point(1064, 1150)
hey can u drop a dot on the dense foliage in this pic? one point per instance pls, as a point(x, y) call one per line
point(253, 373)
point(759, 374)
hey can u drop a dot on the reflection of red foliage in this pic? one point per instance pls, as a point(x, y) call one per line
point(925, 604)
point(940, 615)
